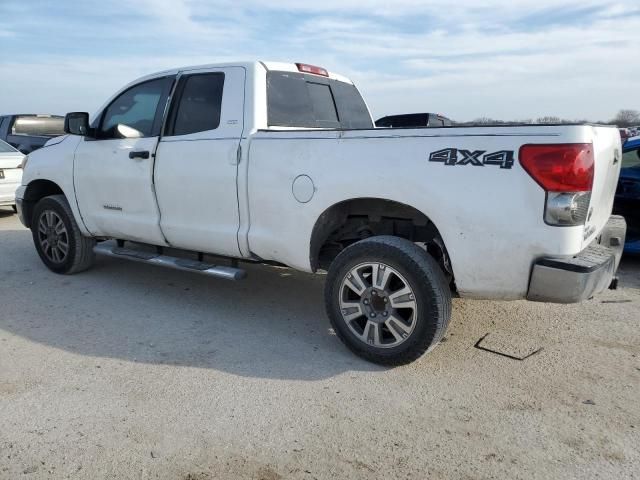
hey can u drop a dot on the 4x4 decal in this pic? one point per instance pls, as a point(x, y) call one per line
point(477, 158)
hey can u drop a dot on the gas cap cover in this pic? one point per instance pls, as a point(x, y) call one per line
point(303, 188)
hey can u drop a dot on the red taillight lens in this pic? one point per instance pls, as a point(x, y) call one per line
point(304, 68)
point(560, 168)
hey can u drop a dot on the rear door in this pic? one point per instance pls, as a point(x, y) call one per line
point(113, 173)
point(197, 158)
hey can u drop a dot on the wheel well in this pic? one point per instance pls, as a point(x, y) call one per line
point(350, 221)
point(36, 191)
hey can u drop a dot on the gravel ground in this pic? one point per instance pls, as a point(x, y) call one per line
point(131, 371)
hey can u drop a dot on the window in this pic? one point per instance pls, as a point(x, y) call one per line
point(199, 103)
point(324, 108)
point(631, 158)
point(140, 107)
point(351, 107)
point(308, 101)
point(289, 104)
point(6, 148)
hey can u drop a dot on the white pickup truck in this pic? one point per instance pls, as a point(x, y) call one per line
point(197, 168)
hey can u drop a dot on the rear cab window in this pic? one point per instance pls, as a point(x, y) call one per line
point(300, 100)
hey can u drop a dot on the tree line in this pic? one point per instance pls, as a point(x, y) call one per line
point(624, 118)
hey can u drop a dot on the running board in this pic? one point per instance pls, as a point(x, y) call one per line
point(228, 273)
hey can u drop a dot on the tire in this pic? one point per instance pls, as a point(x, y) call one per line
point(54, 227)
point(411, 300)
point(15, 209)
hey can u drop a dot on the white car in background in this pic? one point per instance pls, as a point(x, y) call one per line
point(10, 174)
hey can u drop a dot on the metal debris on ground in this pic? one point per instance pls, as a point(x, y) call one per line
point(515, 348)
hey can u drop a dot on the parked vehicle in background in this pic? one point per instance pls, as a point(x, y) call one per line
point(10, 174)
point(29, 132)
point(627, 200)
point(624, 134)
point(281, 163)
point(413, 120)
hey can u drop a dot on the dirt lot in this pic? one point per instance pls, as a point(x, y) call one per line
point(130, 371)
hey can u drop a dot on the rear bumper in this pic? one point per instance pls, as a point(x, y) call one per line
point(572, 280)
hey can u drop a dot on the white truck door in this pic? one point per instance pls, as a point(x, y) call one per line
point(196, 164)
point(113, 172)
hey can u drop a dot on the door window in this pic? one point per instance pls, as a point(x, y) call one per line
point(141, 107)
point(198, 104)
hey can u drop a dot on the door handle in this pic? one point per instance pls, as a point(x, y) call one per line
point(139, 154)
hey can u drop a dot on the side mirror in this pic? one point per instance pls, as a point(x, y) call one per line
point(77, 123)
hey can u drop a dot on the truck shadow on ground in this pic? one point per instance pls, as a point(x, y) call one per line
point(271, 325)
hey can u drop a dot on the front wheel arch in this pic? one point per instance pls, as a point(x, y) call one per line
point(54, 225)
point(37, 190)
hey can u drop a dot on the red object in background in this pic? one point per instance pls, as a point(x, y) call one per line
point(624, 134)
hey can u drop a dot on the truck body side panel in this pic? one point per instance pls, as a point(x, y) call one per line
point(489, 215)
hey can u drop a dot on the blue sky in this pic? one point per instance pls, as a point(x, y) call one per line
point(511, 60)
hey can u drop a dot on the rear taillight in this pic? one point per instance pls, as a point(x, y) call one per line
point(304, 68)
point(565, 172)
point(560, 168)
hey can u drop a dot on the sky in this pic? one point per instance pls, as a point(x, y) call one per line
point(511, 60)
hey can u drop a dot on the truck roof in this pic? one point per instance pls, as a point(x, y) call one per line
point(267, 65)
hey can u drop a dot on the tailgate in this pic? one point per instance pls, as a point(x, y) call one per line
point(607, 151)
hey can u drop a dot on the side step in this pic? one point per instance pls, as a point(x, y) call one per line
point(228, 273)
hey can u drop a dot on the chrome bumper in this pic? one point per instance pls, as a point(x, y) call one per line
point(572, 280)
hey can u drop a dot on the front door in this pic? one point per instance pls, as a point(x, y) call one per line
point(113, 172)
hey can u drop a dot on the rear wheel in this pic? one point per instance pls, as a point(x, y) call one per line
point(15, 209)
point(387, 300)
point(57, 238)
